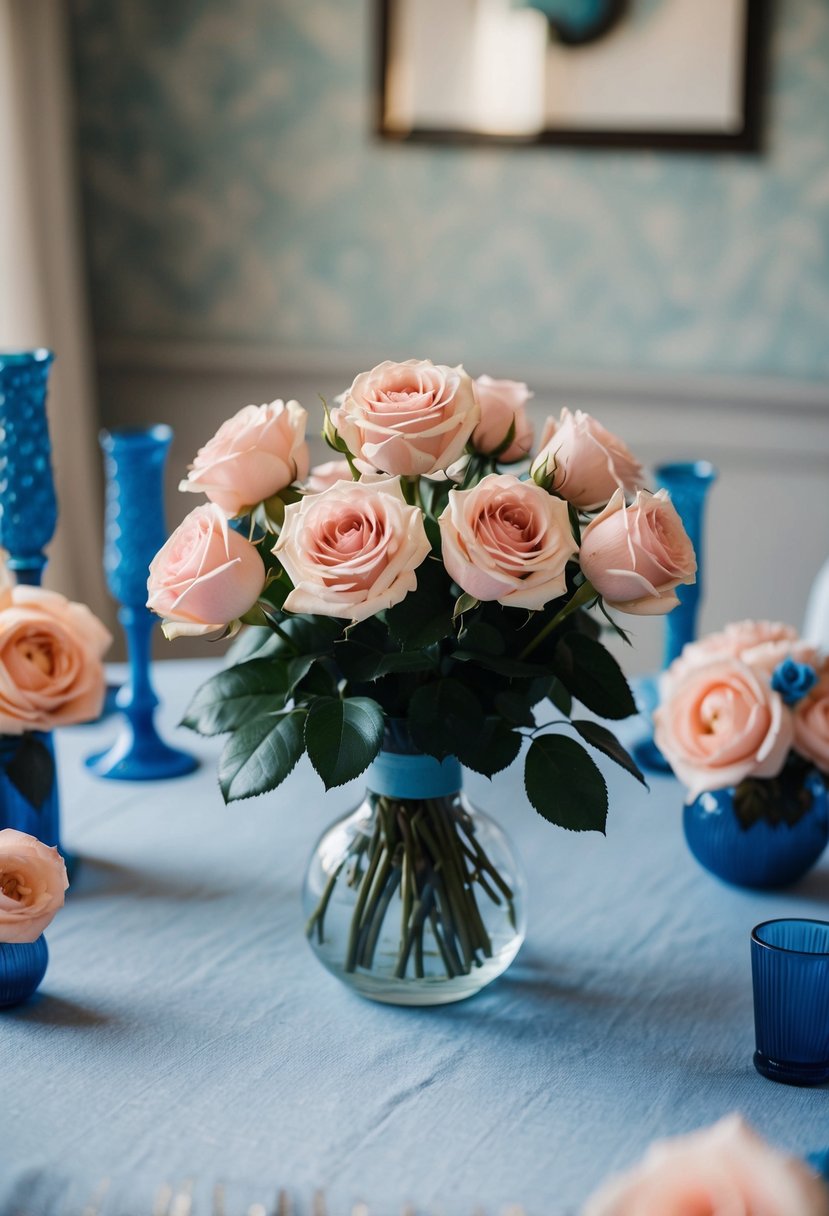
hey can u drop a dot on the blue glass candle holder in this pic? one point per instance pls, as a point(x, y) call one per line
point(134, 531)
point(22, 968)
point(688, 483)
point(28, 506)
point(790, 973)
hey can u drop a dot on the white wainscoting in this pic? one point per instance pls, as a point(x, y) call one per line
point(768, 520)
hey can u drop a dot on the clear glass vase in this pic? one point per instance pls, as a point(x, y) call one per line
point(416, 897)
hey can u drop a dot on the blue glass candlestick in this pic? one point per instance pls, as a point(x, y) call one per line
point(688, 483)
point(28, 507)
point(134, 531)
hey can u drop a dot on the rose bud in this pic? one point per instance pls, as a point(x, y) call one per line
point(503, 408)
point(585, 462)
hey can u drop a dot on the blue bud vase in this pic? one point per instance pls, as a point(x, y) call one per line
point(28, 517)
point(42, 818)
point(134, 531)
point(687, 483)
point(22, 968)
point(764, 854)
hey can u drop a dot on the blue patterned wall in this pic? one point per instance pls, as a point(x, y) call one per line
point(233, 193)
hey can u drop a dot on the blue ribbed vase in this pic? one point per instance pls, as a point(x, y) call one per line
point(790, 973)
point(16, 811)
point(764, 855)
point(22, 967)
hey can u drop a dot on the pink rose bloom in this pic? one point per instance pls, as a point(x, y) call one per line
point(51, 673)
point(637, 556)
point(205, 577)
point(503, 405)
point(811, 724)
point(507, 540)
point(252, 456)
point(323, 476)
point(352, 550)
point(586, 462)
point(32, 882)
point(761, 644)
point(408, 419)
point(722, 723)
point(724, 1170)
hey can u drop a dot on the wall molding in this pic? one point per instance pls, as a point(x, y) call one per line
point(644, 389)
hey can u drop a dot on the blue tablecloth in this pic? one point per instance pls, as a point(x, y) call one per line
point(185, 1034)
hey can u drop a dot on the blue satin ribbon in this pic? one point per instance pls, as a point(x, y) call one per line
point(403, 776)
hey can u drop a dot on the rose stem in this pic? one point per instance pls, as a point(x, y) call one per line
point(446, 825)
point(318, 916)
point(362, 896)
point(382, 908)
point(449, 901)
point(422, 907)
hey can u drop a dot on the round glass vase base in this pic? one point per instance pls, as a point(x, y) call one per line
point(764, 856)
point(22, 967)
point(420, 993)
point(156, 761)
point(791, 1073)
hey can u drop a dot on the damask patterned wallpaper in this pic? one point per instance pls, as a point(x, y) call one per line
point(234, 193)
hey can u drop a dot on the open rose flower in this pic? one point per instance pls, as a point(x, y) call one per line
point(721, 723)
point(252, 456)
point(636, 556)
point(811, 724)
point(760, 644)
point(507, 540)
point(503, 408)
point(205, 577)
point(51, 673)
point(408, 419)
point(586, 463)
point(352, 550)
point(322, 476)
point(724, 1170)
point(32, 882)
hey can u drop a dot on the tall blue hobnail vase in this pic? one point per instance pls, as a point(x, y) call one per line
point(134, 531)
point(687, 483)
point(28, 517)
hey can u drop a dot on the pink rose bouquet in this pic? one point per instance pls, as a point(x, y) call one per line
point(380, 589)
point(748, 708)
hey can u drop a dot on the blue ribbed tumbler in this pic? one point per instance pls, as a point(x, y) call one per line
point(134, 531)
point(790, 970)
point(22, 967)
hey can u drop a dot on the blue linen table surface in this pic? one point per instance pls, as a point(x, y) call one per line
point(184, 1030)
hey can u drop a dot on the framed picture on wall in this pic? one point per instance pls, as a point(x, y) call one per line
point(676, 74)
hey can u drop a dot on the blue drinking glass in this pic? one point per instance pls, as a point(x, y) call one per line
point(688, 483)
point(134, 531)
point(790, 972)
point(28, 506)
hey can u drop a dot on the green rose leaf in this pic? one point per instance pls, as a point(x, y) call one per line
point(593, 676)
point(424, 616)
point(237, 695)
point(31, 770)
point(564, 785)
point(445, 718)
point(260, 755)
point(495, 749)
point(515, 708)
point(342, 737)
point(606, 742)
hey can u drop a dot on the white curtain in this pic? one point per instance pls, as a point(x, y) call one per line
point(42, 299)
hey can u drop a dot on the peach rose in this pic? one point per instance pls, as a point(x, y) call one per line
point(32, 882)
point(586, 462)
point(51, 672)
point(253, 455)
point(352, 550)
point(724, 1170)
point(722, 723)
point(637, 556)
point(323, 476)
point(205, 577)
point(507, 540)
point(761, 644)
point(503, 406)
point(408, 419)
point(811, 724)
